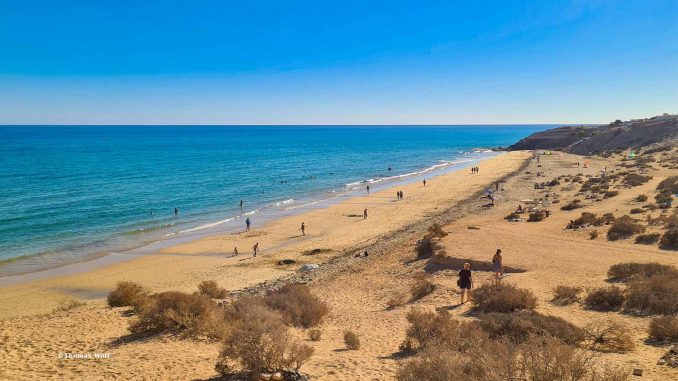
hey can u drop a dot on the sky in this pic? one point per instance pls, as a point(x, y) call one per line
point(340, 62)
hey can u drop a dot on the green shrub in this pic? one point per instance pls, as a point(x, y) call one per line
point(502, 298)
point(605, 299)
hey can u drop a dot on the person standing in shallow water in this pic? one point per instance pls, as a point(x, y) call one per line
point(176, 212)
point(465, 282)
point(498, 266)
point(368, 189)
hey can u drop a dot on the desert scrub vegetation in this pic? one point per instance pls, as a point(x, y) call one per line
point(521, 326)
point(627, 271)
point(565, 295)
point(351, 340)
point(669, 239)
point(610, 194)
point(624, 227)
point(653, 295)
point(668, 185)
point(502, 298)
point(314, 334)
point(663, 328)
point(427, 247)
point(187, 315)
point(427, 328)
point(637, 211)
point(608, 336)
point(436, 231)
point(484, 359)
point(316, 251)
point(127, 294)
point(67, 305)
point(421, 286)
point(212, 289)
point(647, 239)
point(641, 198)
point(536, 216)
point(609, 298)
point(258, 341)
point(297, 305)
point(574, 204)
point(634, 179)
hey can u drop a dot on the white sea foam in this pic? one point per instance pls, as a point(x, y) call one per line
point(205, 226)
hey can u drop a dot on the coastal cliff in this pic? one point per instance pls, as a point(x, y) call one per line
point(591, 139)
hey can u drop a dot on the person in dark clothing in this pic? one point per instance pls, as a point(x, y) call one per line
point(465, 282)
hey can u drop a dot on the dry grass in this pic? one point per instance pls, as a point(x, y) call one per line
point(67, 305)
point(664, 328)
point(396, 301)
point(212, 289)
point(608, 336)
point(128, 294)
point(351, 340)
point(502, 298)
point(605, 299)
point(297, 305)
point(565, 295)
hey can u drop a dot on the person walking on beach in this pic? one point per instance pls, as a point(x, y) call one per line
point(368, 189)
point(365, 214)
point(176, 212)
point(235, 251)
point(402, 196)
point(255, 248)
point(247, 224)
point(424, 182)
point(303, 229)
point(498, 266)
point(465, 282)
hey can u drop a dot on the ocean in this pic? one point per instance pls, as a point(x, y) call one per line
point(70, 193)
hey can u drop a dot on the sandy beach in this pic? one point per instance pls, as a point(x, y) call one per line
point(34, 331)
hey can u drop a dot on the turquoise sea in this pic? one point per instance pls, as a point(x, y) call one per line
point(68, 193)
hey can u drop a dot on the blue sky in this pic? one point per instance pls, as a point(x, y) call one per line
point(348, 62)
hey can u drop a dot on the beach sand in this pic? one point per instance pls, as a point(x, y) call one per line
point(356, 289)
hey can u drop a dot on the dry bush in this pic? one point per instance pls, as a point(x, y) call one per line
point(637, 211)
point(67, 305)
point(521, 326)
point(668, 185)
point(664, 328)
point(297, 305)
point(609, 194)
point(647, 239)
point(260, 342)
point(427, 328)
point(624, 272)
point(641, 198)
point(502, 298)
point(435, 364)
point(427, 247)
point(436, 231)
point(575, 204)
point(189, 315)
point(669, 239)
point(512, 216)
point(316, 251)
point(396, 301)
point(315, 334)
point(351, 340)
point(654, 295)
point(623, 227)
point(536, 217)
point(593, 234)
point(634, 179)
point(127, 294)
point(212, 289)
point(421, 287)
point(565, 295)
point(586, 219)
point(608, 336)
point(605, 299)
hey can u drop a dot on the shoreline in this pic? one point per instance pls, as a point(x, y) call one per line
point(209, 254)
point(207, 229)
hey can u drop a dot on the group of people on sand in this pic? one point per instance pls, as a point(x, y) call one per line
point(399, 195)
point(465, 281)
point(475, 169)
